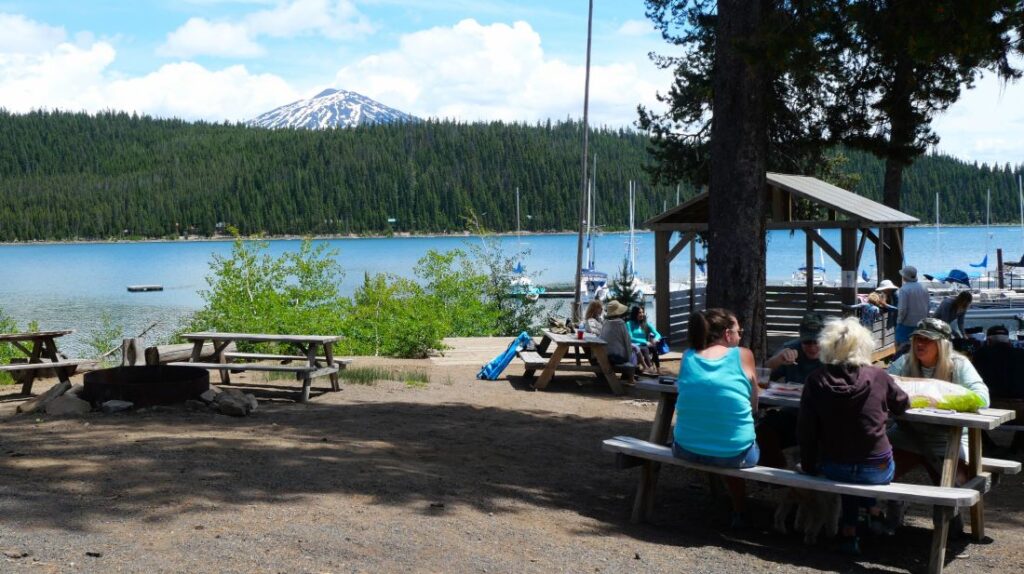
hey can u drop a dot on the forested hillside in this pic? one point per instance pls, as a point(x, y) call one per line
point(67, 176)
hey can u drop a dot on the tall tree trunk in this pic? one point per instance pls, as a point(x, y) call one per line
point(901, 139)
point(739, 143)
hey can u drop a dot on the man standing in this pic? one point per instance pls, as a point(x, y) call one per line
point(913, 305)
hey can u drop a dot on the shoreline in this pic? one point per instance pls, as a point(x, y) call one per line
point(402, 235)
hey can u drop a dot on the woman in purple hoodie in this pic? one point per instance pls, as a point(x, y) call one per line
point(843, 412)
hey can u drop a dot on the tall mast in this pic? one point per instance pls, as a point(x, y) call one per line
point(576, 311)
point(519, 235)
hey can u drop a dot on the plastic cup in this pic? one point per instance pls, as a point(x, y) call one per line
point(763, 376)
point(579, 334)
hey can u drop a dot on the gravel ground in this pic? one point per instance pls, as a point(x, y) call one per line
point(457, 476)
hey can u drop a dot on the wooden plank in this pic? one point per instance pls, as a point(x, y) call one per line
point(996, 465)
point(533, 359)
point(915, 493)
point(248, 367)
point(260, 337)
point(273, 357)
point(34, 335)
point(43, 365)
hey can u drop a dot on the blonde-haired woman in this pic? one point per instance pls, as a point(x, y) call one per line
point(932, 356)
point(842, 423)
point(593, 318)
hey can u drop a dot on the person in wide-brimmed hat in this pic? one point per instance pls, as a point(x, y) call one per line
point(912, 305)
point(616, 335)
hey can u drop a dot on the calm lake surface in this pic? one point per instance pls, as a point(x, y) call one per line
point(76, 285)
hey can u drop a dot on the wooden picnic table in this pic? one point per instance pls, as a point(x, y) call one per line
point(589, 347)
point(316, 351)
point(40, 349)
point(954, 423)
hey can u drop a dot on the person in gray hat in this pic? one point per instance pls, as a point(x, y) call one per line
point(912, 306)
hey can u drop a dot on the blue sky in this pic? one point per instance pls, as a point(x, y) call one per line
point(462, 59)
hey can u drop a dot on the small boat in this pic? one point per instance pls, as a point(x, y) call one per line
point(817, 277)
point(144, 288)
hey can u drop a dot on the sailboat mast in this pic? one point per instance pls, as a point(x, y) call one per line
point(632, 234)
point(577, 299)
point(519, 235)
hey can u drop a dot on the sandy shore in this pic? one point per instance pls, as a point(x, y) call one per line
point(458, 475)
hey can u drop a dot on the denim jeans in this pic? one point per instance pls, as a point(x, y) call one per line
point(874, 473)
point(745, 459)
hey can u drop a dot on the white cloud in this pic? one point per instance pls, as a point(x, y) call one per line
point(334, 19)
point(201, 37)
point(636, 28)
point(75, 78)
point(23, 36)
point(986, 124)
point(477, 72)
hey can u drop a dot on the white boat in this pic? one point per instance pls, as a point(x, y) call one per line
point(521, 284)
point(800, 276)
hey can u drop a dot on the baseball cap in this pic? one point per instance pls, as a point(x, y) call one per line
point(933, 329)
point(811, 326)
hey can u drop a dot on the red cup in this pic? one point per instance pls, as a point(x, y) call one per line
point(579, 334)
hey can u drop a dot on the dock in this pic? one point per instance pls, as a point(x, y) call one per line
point(144, 288)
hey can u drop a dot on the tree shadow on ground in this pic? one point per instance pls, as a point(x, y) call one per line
point(153, 465)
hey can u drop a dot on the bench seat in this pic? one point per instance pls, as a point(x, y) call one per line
point(943, 500)
point(342, 363)
point(44, 365)
point(248, 367)
point(533, 359)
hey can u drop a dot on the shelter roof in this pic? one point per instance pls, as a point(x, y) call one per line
point(785, 195)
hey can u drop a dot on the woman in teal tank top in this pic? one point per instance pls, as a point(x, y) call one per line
point(717, 399)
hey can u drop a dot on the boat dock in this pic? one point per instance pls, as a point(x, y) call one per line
point(144, 288)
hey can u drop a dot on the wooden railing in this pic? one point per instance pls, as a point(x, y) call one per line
point(785, 306)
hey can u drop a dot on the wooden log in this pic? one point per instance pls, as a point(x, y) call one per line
point(163, 354)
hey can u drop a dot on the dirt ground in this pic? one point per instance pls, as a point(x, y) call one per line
point(456, 476)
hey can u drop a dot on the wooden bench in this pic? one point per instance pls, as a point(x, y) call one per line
point(63, 368)
point(632, 452)
point(284, 359)
point(534, 362)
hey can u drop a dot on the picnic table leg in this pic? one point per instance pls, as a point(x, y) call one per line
point(606, 369)
point(941, 516)
point(974, 469)
point(29, 377)
point(49, 349)
point(549, 369)
point(329, 355)
point(952, 456)
point(218, 350)
point(643, 505)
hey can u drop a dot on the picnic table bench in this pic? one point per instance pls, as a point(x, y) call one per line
point(589, 355)
point(315, 350)
point(40, 349)
point(943, 499)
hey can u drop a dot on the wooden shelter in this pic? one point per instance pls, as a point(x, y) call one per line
point(793, 202)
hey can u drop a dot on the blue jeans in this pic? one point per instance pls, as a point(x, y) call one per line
point(745, 459)
point(874, 473)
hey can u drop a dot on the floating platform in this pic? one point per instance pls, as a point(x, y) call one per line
point(143, 288)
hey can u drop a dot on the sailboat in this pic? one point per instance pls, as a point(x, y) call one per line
point(636, 284)
point(521, 283)
point(593, 283)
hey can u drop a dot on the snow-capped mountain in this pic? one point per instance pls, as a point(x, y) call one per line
point(330, 109)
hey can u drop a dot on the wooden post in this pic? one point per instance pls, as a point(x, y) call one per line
point(880, 258)
point(661, 294)
point(693, 276)
point(999, 267)
point(132, 352)
point(848, 287)
point(809, 263)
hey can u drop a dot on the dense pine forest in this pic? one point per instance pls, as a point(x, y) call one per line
point(76, 176)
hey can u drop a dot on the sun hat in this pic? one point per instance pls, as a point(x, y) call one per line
point(932, 328)
point(909, 273)
point(886, 285)
point(615, 309)
point(811, 326)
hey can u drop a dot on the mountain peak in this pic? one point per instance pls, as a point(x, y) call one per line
point(331, 108)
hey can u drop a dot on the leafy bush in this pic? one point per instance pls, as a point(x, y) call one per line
point(251, 291)
point(394, 317)
point(105, 337)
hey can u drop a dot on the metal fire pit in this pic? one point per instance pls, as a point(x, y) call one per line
point(146, 386)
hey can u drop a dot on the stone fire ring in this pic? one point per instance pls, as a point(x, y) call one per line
point(145, 385)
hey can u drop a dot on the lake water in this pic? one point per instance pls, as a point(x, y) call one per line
point(76, 285)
